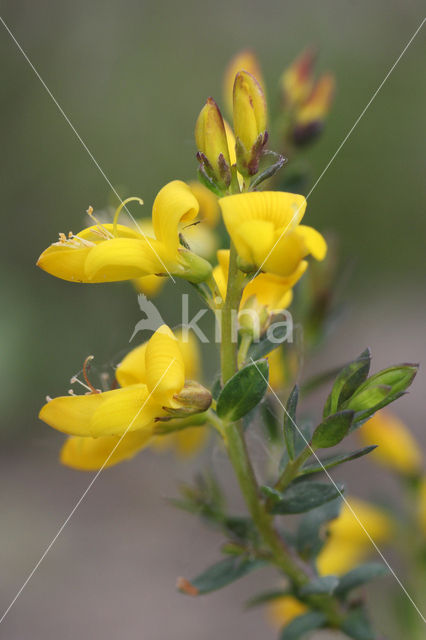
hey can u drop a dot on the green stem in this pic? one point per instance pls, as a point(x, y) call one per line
point(229, 311)
point(292, 469)
point(246, 340)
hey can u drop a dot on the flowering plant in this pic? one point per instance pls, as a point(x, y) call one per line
point(304, 527)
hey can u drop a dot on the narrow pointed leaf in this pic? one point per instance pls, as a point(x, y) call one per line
point(278, 332)
point(220, 575)
point(360, 576)
point(303, 624)
point(304, 496)
point(289, 425)
point(334, 461)
point(243, 391)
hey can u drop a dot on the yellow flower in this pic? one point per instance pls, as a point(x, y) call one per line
point(153, 384)
point(297, 79)
point(113, 252)
point(265, 292)
point(185, 444)
point(250, 120)
point(265, 229)
point(283, 610)
point(243, 61)
point(349, 543)
point(397, 449)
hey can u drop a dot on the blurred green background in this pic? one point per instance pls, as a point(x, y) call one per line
point(132, 77)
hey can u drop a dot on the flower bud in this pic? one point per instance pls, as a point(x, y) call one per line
point(310, 117)
point(250, 120)
point(297, 79)
point(195, 268)
point(193, 398)
point(244, 60)
point(211, 141)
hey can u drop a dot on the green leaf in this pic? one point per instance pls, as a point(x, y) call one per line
point(334, 461)
point(362, 416)
point(311, 533)
point(271, 422)
point(266, 596)
point(304, 496)
point(303, 624)
point(243, 391)
point(357, 626)
point(347, 382)
point(278, 332)
point(322, 585)
point(289, 425)
point(221, 574)
point(359, 576)
point(270, 163)
point(332, 430)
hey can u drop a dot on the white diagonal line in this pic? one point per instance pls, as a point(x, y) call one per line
point(345, 139)
point(344, 498)
point(79, 501)
point(84, 145)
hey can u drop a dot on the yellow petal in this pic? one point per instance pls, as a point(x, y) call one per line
point(347, 526)
point(165, 372)
point(71, 414)
point(65, 262)
point(124, 259)
point(249, 108)
point(99, 414)
point(175, 203)
point(397, 448)
point(282, 210)
point(337, 557)
point(190, 351)
point(90, 454)
point(243, 61)
point(131, 369)
point(290, 247)
point(314, 242)
point(127, 409)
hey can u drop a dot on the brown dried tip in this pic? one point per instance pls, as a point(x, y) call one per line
point(182, 584)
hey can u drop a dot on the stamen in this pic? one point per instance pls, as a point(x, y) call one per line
point(48, 399)
point(118, 211)
point(85, 370)
point(102, 230)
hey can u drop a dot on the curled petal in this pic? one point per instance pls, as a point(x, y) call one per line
point(100, 414)
point(127, 409)
point(90, 454)
point(124, 259)
point(131, 369)
point(175, 203)
point(165, 371)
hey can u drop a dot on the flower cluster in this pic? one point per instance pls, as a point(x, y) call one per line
point(248, 279)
